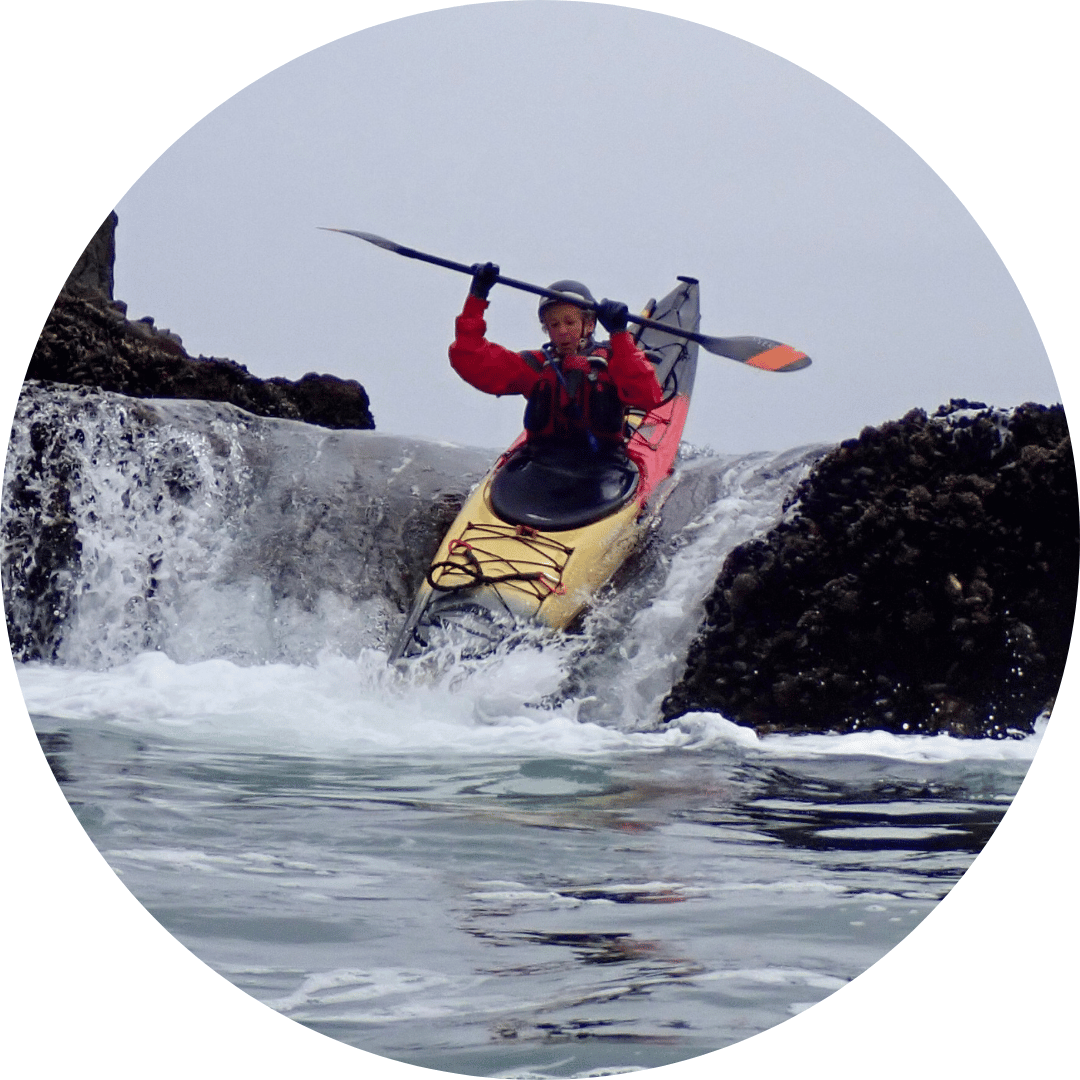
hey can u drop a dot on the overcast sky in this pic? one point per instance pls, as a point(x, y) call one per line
point(617, 146)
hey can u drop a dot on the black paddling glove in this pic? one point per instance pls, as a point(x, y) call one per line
point(484, 275)
point(612, 316)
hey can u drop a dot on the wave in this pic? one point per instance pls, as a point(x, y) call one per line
point(341, 706)
point(145, 536)
point(189, 564)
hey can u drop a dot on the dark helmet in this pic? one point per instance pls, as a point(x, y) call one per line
point(574, 290)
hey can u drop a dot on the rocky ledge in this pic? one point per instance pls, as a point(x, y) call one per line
point(923, 579)
point(88, 340)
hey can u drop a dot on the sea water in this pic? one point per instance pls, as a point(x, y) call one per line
point(498, 867)
point(410, 871)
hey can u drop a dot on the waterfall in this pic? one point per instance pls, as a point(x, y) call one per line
point(198, 531)
point(201, 531)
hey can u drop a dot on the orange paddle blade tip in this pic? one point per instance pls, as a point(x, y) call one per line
point(780, 358)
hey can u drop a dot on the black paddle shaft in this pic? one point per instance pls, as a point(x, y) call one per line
point(743, 349)
point(449, 264)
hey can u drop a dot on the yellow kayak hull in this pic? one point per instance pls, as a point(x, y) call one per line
point(547, 577)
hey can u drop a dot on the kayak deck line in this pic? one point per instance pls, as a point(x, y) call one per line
point(474, 559)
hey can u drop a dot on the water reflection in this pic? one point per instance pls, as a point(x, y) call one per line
point(656, 904)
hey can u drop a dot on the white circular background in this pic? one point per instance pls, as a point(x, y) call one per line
point(986, 94)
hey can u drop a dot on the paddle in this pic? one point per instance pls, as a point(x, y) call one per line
point(756, 352)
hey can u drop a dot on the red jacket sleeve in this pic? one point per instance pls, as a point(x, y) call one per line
point(633, 375)
point(482, 363)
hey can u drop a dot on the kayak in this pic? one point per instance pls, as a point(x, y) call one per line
point(548, 527)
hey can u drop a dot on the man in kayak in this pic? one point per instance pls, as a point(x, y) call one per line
point(578, 390)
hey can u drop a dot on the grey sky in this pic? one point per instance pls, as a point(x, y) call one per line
point(539, 136)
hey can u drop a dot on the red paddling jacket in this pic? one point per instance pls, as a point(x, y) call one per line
point(569, 400)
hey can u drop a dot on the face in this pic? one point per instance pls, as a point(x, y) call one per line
point(566, 325)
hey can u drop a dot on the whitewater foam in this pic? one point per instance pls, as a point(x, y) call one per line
point(342, 705)
point(881, 744)
point(237, 580)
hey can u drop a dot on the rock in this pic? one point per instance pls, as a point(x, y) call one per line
point(923, 580)
point(88, 340)
point(93, 273)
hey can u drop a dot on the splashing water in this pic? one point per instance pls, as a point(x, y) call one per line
point(512, 851)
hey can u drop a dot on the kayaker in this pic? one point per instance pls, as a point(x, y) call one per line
point(578, 390)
